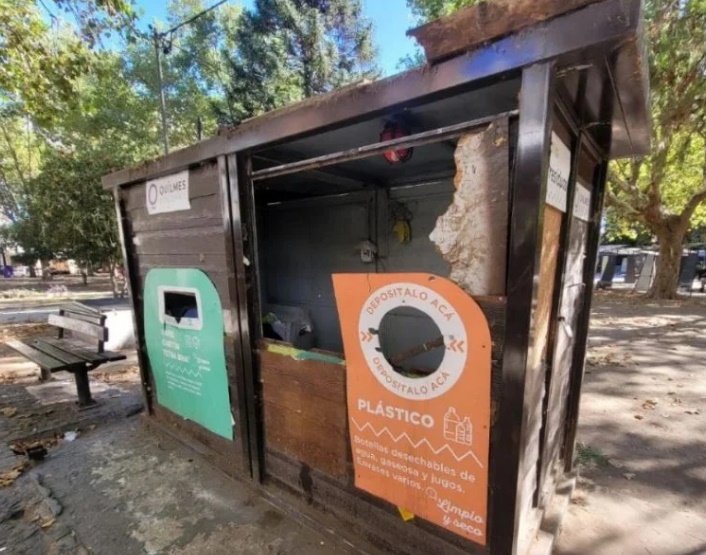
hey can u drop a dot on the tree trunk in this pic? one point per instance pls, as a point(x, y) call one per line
point(666, 281)
point(113, 281)
point(46, 271)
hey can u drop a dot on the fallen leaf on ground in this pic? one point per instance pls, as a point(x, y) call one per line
point(629, 475)
point(48, 523)
point(9, 412)
point(692, 412)
point(8, 477)
point(649, 404)
point(639, 417)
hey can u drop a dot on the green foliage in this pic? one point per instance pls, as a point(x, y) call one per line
point(72, 110)
point(426, 10)
point(287, 50)
point(665, 192)
point(40, 63)
point(67, 214)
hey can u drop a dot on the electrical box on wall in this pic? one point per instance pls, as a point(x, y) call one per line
point(368, 252)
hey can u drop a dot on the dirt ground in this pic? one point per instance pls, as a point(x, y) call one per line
point(119, 489)
point(642, 432)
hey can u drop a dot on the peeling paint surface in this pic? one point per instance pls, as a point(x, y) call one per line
point(472, 234)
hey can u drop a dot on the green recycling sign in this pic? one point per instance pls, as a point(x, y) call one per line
point(184, 335)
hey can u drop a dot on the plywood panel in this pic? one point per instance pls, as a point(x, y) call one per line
point(534, 387)
point(305, 411)
point(569, 311)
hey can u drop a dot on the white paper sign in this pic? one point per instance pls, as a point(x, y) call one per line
point(559, 170)
point(582, 203)
point(168, 194)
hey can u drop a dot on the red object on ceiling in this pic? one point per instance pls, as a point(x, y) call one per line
point(392, 131)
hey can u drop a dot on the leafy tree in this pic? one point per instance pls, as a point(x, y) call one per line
point(67, 214)
point(427, 10)
point(39, 63)
point(665, 191)
point(662, 194)
point(287, 50)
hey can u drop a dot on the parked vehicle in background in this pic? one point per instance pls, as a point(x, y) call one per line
point(21, 271)
point(59, 268)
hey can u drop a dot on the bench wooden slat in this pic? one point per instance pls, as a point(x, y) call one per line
point(96, 319)
point(80, 351)
point(84, 328)
point(58, 353)
point(39, 358)
point(81, 308)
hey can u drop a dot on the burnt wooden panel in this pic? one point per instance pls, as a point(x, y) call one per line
point(570, 307)
point(201, 240)
point(308, 447)
point(191, 238)
point(536, 366)
point(225, 454)
point(373, 519)
point(475, 25)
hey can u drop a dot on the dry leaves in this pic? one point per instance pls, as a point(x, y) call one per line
point(649, 404)
point(8, 477)
point(8, 412)
point(36, 446)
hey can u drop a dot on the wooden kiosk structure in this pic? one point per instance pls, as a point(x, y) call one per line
point(440, 228)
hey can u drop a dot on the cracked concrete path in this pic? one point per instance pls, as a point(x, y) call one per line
point(126, 491)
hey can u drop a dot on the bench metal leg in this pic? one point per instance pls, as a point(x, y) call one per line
point(83, 388)
point(46, 375)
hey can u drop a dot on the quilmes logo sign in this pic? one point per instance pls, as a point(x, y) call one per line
point(168, 194)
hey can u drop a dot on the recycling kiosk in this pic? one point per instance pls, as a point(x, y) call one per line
point(374, 304)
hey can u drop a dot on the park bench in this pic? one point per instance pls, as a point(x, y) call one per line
point(71, 355)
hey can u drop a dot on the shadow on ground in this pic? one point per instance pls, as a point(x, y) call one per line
point(642, 428)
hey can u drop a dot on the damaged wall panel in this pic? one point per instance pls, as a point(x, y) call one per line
point(472, 234)
point(471, 27)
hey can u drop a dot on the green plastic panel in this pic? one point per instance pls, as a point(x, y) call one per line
point(184, 335)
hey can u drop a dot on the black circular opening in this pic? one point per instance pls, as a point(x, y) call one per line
point(411, 342)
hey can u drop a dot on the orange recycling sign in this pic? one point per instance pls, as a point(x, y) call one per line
point(419, 437)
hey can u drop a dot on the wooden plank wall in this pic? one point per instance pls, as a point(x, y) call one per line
point(191, 238)
point(570, 304)
point(308, 446)
point(536, 365)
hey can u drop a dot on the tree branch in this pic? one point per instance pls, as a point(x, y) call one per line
point(696, 199)
point(629, 188)
point(625, 207)
point(13, 154)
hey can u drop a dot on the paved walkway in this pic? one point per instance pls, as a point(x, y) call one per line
point(643, 433)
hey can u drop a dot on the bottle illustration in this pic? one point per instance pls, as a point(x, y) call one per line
point(451, 422)
point(457, 430)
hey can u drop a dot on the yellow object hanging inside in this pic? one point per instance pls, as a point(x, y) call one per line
point(403, 231)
